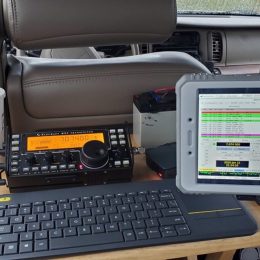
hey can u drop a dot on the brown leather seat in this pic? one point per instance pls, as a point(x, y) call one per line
point(57, 93)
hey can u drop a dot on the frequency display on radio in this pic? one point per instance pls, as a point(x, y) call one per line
point(53, 142)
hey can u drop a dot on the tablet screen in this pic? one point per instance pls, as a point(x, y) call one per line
point(229, 136)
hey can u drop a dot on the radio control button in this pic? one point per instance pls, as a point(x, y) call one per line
point(63, 167)
point(71, 166)
point(113, 137)
point(117, 163)
point(114, 142)
point(15, 157)
point(14, 163)
point(122, 142)
point(54, 167)
point(121, 136)
point(15, 142)
point(15, 149)
point(26, 169)
point(112, 131)
point(126, 162)
point(13, 170)
point(15, 136)
point(35, 169)
point(120, 131)
point(45, 168)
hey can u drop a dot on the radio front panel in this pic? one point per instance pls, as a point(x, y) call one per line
point(84, 156)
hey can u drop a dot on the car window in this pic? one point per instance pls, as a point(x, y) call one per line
point(228, 7)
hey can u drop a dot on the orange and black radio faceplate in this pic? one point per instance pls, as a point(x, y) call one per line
point(69, 157)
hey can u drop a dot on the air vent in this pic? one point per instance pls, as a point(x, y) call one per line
point(215, 47)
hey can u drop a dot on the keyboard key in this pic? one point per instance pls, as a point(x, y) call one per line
point(68, 232)
point(138, 224)
point(129, 216)
point(4, 221)
point(161, 205)
point(5, 229)
point(129, 235)
point(38, 209)
point(26, 247)
point(87, 240)
point(84, 212)
point(97, 211)
point(182, 230)
point(172, 204)
point(178, 220)
point(33, 226)
point(71, 214)
point(125, 225)
point(142, 215)
point(123, 208)
point(11, 212)
point(47, 225)
point(10, 248)
point(110, 210)
point(84, 230)
point(16, 220)
point(153, 232)
point(30, 218)
point(151, 222)
point(171, 212)
point(51, 208)
point(26, 236)
point(8, 238)
point(58, 215)
point(74, 222)
point(111, 227)
point(116, 218)
point(41, 245)
point(169, 233)
point(62, 223)
point(103, 219)
point(25, 211)
point(40, 235)
point(140, 234)
point(89, 220)
point(55, 233)
point(19, 228)
point(155, 213)
point(166, 221)
point(98, 229)
point(44, 216)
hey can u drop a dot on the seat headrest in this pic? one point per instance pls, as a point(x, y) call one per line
point(43, 24)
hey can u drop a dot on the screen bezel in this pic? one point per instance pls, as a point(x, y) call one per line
point(187, 105)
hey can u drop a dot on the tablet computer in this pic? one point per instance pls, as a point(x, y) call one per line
point(218, 134)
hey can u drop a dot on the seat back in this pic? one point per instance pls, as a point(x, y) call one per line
point(59, 93)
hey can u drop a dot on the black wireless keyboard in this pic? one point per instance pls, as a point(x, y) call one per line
point(106, 217)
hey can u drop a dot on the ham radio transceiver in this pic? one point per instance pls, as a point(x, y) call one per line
point(61, 158)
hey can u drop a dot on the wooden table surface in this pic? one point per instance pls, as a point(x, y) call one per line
point(221, 249)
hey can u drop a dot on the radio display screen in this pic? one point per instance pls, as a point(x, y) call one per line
point(52, 142)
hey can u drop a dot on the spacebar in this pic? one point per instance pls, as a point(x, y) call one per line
point(86, 240)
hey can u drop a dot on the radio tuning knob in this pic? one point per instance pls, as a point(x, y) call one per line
point(49, 157)
point(94, 154)
point(31, 159)
point(67, 156)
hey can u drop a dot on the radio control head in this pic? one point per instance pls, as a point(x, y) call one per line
point(94, 154)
